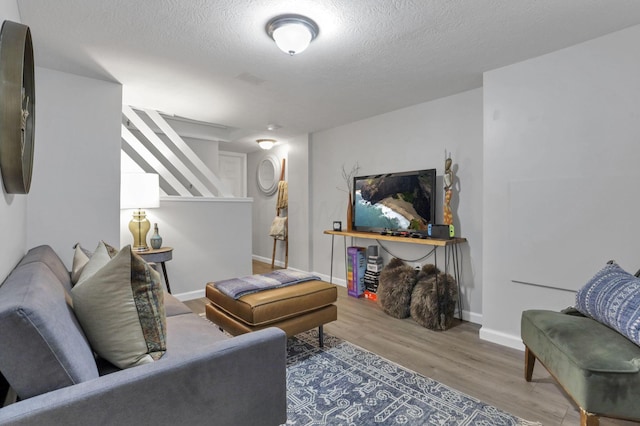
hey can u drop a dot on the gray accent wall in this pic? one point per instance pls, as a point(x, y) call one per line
point(560, 194)
point(408, 139)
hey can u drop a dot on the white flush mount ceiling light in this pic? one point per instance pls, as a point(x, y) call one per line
point(266, 143)
point(292, 33)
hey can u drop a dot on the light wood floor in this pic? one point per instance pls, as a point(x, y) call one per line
point(456, 357)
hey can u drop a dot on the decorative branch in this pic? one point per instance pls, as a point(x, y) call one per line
point(348, 177)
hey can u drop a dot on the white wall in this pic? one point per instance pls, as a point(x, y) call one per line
point(207, 151)
point(9, 10)
point(75, 192)
point(408, 139)
point(211, 238)
point(561, 156)
point(264, 206)
point(296, 153)
point(13, 208)
point(300, 235)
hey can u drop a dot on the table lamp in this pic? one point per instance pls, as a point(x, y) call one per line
point(139, 191)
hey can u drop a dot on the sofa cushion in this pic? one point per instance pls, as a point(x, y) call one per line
point(43, 347)
point(121, 309)
point(612, 297)
point(47, 256)
point(185, 332)
point(188, 332)
point(173, 306)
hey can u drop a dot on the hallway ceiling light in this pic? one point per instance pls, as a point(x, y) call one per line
point(266, 143)
point(292, 33)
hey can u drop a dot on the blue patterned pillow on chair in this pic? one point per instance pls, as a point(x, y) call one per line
point(612, 297)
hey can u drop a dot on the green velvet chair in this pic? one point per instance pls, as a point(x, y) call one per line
point(598, 367)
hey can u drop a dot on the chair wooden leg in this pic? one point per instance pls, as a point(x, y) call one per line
point(529, 362)
point(588, 419)
point(321, 336)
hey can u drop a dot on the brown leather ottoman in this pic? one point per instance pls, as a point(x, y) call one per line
point(294, 309)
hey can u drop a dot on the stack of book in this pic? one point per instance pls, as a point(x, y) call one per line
point(356, 267)
point(372, 276)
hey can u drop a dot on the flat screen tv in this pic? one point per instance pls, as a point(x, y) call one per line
point(394, 201)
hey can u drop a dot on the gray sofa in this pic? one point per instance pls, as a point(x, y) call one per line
point(204, 377)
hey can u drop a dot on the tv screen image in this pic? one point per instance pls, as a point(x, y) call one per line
point(394, 201)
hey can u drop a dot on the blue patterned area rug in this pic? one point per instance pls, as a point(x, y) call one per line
point(342, 384)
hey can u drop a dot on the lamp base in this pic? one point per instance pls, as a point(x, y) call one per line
point(139, 227)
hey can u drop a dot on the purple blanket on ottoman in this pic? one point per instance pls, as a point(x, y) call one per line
point(238, 287)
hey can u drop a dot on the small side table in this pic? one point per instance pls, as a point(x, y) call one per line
point(161, 255)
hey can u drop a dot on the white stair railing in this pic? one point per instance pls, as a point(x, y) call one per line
point(165, 156)
point(155, 164)
point(188, 152)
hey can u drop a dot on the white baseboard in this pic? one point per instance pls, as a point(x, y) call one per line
point(472, 317)
point(190, 295)
point(278, 263)
point(337, 281)
point(501, 338)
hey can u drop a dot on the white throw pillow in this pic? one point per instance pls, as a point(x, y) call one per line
point(80, 260)
point(98, 260)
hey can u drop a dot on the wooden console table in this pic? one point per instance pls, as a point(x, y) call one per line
point(450, 251)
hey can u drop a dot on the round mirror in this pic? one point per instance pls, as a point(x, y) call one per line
point(268, 175)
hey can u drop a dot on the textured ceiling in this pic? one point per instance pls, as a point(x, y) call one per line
point(212, 60)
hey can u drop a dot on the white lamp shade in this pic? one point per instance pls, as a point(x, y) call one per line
point(139, 191)
point(292, 38)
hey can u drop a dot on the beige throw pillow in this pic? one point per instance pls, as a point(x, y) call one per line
point(120, 305)
point(98, 260)
point(80, 260)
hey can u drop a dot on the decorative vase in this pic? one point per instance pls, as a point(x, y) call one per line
point(350, 214)
point(156, 239)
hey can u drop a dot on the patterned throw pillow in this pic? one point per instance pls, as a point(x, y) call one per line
point(120, 306)
point(612, 297)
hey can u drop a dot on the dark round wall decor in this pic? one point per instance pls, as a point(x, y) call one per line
point(17, 107)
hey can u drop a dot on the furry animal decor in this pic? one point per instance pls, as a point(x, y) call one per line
point(433, 300)
point(394, 288)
